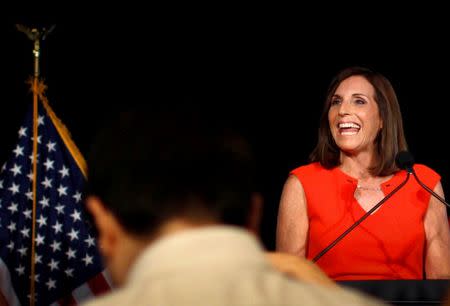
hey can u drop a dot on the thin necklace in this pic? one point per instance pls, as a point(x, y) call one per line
point(368, 188)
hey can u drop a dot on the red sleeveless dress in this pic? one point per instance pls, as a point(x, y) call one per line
point(389, 244)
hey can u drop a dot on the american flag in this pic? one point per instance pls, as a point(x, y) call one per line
point(67, 264)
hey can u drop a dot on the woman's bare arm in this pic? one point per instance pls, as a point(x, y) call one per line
point(292, 223)
point(437, 234)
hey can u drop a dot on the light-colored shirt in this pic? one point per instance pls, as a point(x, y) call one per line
point(217, 266)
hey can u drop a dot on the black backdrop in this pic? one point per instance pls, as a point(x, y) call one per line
point(266, 72)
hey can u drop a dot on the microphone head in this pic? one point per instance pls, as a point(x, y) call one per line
point(404, 160)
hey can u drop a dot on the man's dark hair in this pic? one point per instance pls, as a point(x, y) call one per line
point(150, 165)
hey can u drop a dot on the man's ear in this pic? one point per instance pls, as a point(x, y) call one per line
point(109, 229)
point(255, 214)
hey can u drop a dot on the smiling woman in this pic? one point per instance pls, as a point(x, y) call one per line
point(352, 169)
point(353, 115)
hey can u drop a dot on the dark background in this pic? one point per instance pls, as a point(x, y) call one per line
point(265, 70)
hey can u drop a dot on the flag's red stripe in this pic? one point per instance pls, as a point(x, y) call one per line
point(67, 301)
point(3, 300)
point(98, 284)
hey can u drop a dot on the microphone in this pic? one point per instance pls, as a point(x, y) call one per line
point(405, 161)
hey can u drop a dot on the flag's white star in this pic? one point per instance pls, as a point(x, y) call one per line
point(62, 190)
point(16, 169)
point(10, 246)
point(77, 197)
point(18, 151)
point(57, 227)
point(22, 132)
point(36, 278)
point(44, 202)
point(51, 284)
point(90, 241)
point(87, 260)
point(29, 195)
point(31, 157)
point(47, 182)
point(14, 188)
point(56, 246)
point(27, 213)
point(69, 272)
point(60, 208)
point(13, 207)
point(76, 215)
point(37, 258)
point(35, 296)
point(25, 232)
point(22, 251)
point(30, 175)
point(38, 139)
point(64, 171)
point(73, 235)
point(39, 239)
point(70, 253)
point(12, 226)
point(53, 264)
point(42, 220)
point(49, 164)
point(51, 146)
point(20, 270)
point(40, 120)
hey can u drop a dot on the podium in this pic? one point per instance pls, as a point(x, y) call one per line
point(404, 292)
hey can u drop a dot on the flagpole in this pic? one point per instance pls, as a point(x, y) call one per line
point(36, 36)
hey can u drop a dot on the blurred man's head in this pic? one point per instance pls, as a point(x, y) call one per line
point(154, 172)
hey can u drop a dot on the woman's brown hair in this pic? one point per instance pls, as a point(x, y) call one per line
point(389, 141)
